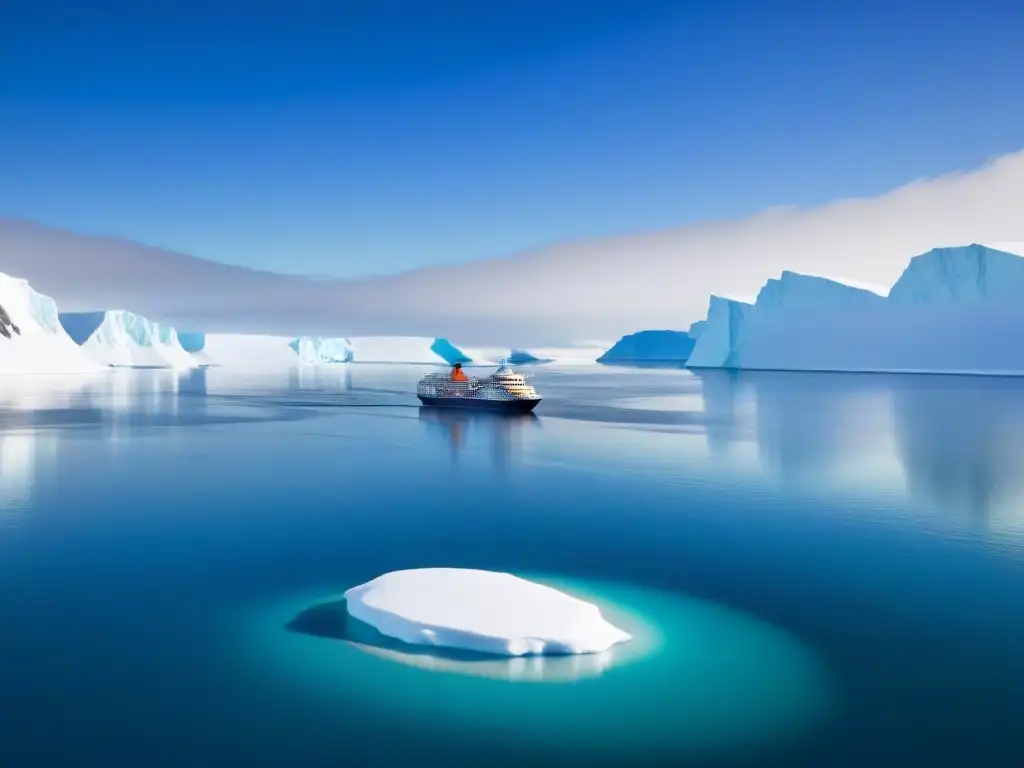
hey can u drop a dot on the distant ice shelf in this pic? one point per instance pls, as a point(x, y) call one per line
point(482, 611)
point(245, 350)
point(258, 351)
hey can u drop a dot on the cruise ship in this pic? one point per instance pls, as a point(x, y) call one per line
point(502, 391)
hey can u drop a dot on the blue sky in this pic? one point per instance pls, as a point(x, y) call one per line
point(356, 138)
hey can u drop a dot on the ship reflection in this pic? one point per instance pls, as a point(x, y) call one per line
point(460, 427)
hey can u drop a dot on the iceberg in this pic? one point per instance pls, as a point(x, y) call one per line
point(481, 611)
point(583, 353)
point(191, 342)
point(720, 334)
point(245, 350)
point(972, 274)
point(32, 339)
point(525, 357)
point(655, 346)
point(320, 350)
point(122, 339)
point(449, 352)
point(953, 310)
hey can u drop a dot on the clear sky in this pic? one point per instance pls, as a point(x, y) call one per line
point(355, 138)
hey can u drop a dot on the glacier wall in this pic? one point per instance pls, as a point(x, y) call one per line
point(654, 346)
point(35, 341)
point(952, 310)
point(119, 338)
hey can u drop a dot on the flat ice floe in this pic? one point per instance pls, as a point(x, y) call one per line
point(482, 611)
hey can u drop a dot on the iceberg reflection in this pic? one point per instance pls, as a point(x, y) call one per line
point(27, 448)
point(961, 442)
point(952, 446)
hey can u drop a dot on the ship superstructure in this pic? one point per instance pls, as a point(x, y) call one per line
point(503, 390)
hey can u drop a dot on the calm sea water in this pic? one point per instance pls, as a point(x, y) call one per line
point(819, 570)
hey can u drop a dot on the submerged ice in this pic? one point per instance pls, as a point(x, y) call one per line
point(483, 611)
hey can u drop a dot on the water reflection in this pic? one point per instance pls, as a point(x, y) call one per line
point(814, 428)
point(31, 393)
point(962, 447)
point(337, 378)
point(25, 457)
point(126, 403)
point(725, 401)
point(950, 444)
point(27, 449)
point(457, 428)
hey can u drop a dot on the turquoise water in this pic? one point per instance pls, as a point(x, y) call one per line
point(698, 679)
point(817, 570)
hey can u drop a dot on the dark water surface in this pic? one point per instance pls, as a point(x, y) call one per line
point(819, 570)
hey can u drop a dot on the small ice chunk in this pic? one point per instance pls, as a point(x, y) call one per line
point(483, 611)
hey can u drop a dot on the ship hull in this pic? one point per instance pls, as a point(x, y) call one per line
point(479, 404)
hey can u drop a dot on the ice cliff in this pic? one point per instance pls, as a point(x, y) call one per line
point(955, 309)
point(32, 339)
point(720, 334)
point(655, 346)
point(974, 274)
point(119, 338)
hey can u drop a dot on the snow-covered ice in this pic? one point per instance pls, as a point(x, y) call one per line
point(953, 310)
point(483, 611)
point(316, 349)
point(120, 338)
point(38, 342)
